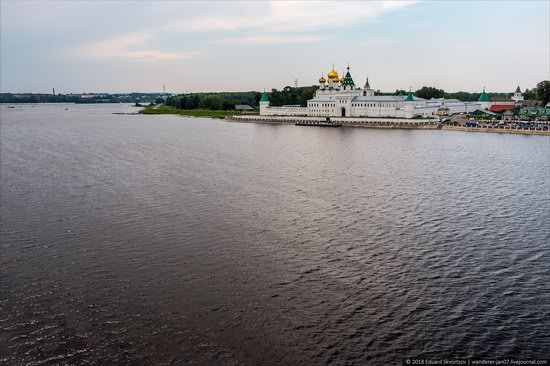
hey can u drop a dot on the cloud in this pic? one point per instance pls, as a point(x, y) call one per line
point(377, 42)
point(417, 25)
point(270, 23)
point(122, 47)
point(270, 39)
point(294, 16)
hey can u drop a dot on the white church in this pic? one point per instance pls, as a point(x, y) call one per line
point(340, 97)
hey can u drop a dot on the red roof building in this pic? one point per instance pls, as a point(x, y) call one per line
point(501, 107)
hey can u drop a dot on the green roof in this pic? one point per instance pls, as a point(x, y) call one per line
point(348, 80)
point(264, 98)
point(409, 97)
point(535, 111)
point(483, 111)
point(400, 94)
point(483, 96)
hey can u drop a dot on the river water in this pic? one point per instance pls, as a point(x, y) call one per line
point(131, 239)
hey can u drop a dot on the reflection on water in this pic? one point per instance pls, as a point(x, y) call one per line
point(158, 239)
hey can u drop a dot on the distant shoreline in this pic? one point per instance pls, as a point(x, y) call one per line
point(519, 131)
point(398, 125)
point(381, 123)
point(164, 109)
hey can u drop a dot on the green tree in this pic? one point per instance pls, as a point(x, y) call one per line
point(530, 94)
point(290, 95)
point(227, 104)
point(428, 92)
point(181, 103)
point(543, 91)
point(195, 101)
point(463, 96)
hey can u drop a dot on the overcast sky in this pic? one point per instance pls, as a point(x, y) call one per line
point(108, 46)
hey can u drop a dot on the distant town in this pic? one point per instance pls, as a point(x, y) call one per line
point(82, 98)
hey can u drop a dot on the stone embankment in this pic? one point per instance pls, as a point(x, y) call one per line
point(418, 125)
point(268, 119)
point(387, 123)
point(397, 123)
point(499, 129)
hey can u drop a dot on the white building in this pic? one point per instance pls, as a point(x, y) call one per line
point(518, 96)
point(498, 102)
point(340, 97)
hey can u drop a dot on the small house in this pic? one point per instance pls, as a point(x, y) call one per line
point(243, 107)
point(483, 114)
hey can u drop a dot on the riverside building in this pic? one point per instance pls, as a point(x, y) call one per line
point(341, 97)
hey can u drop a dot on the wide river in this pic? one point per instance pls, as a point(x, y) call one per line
point(133, 239)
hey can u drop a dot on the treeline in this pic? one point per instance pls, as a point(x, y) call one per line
point(77, 98)
point(428, 92)
point(37, 98)
point(292, 96)
point(300, 95)
point(213, 101)
point(540, 92)
point(227, 101)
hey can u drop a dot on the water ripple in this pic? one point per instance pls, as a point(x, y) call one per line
point(132, 239)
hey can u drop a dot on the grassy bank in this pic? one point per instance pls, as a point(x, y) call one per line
point(164, 109)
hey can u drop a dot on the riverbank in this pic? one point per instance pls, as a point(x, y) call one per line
point(395, 123)
point(518, 131)
point(164, 109)
point(383, 123)
point(370, 122)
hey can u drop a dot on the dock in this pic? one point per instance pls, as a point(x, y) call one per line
point(319, 123)
point(401, 123)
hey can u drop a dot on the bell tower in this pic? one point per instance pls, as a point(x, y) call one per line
point(518, 96)
point(368, 91)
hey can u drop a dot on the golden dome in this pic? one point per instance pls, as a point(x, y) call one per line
point(322, 80)
point(343, 77)
point(333, 74)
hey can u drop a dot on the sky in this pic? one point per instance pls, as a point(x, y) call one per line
point(123, 46)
